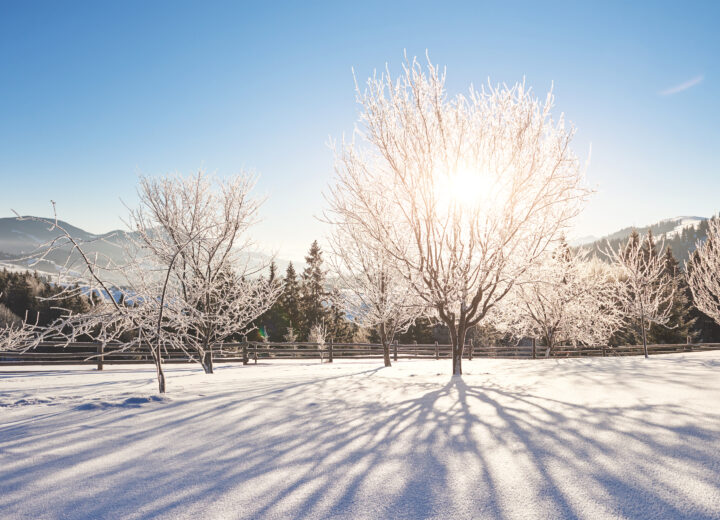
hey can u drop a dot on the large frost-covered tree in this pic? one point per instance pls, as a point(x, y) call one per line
point(645, 289)
point(195, 228)
point(464, 192)
point(703, 272)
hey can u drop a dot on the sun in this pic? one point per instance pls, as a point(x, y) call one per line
point(466, 189)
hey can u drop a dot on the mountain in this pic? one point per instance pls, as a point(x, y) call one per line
point(678, 233)
point(22, 243)
point(581, 241)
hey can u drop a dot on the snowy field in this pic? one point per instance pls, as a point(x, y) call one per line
point(575, 438)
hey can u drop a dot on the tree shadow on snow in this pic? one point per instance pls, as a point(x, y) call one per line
point(365, 445)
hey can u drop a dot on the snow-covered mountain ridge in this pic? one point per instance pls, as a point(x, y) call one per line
point(22, 241)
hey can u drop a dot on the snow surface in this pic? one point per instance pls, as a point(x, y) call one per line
point(574, 438)
point(683, 222)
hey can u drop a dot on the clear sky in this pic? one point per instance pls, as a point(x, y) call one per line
point(94, 94)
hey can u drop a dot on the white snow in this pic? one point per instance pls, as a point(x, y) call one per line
point(682, 223)
point(574, 438)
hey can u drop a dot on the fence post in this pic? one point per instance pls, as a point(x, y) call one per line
point(256, 356)
point(101, 357)
point(472, 345)
point(603, 351)
point(395, 343)
point(330, 351)
point(534, 354)
point(244, 351)
point(437, 351)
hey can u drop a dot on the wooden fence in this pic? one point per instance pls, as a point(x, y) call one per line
point(245, 352)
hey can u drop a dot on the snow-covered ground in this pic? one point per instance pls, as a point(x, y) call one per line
point(575, 438)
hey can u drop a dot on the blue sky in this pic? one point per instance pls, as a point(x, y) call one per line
point(94, 94)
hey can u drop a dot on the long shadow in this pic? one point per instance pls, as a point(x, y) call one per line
point(361, 444)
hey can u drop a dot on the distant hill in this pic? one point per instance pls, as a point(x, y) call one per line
point(22, 241)
point(679, 233)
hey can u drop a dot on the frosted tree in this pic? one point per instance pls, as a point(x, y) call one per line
point(290, 336)
point(703, 272)
point(464, 193)
point(563, 299)
point(110, 319)
point(317, 335)
point(212, 280)
point(184, 285)
point(645, 288)
point(373, 291)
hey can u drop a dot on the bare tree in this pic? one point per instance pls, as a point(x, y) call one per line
point(317, 335)
point(183, 285)
point(129, 315)
point(196, 229)
point(703, 272)
point(290, 336)
point(565, 298)
point(463, 193)
point(645, 288)
point(374, 292)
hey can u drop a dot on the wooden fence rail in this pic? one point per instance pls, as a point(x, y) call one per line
point(244, 352)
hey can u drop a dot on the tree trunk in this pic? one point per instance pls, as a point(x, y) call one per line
point(457, 336)
point(550, 342)
point(158, 366)
point(160, 376)
point(207, 361)
point(644, 336)
point(385, 344)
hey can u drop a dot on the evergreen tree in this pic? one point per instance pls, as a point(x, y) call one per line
point(273, 271)
point(273, 324)
point(313, 293)
point(423, 331)
point(290, 300)
point(339, 327)
point(681, 324)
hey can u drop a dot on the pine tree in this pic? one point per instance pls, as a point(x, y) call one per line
point(273, 324)
point(273, 272)
point(423, 331)
point(290, 300)
point(313, 293)
point(681, 324)
point(648, 245)
point(339, 327)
